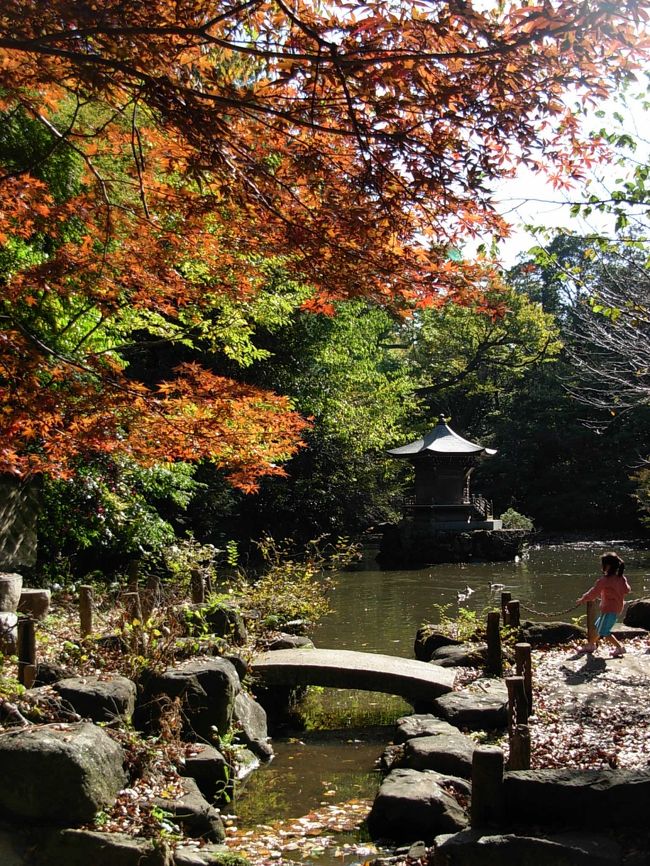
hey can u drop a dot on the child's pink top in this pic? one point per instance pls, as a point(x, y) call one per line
point(611, 589)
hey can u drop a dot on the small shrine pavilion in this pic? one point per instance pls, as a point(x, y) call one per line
point(443, 462)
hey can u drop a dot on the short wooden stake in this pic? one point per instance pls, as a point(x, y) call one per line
point(524, 668)
point(132, 606)
point(85, 610)
point(151, 597)
point(591, 622)
point(487, 786)
point(514, 614)
point(505, 598)
point(519, 757)
point(494, 662)
point(134, 616)
point(133, 574)
point(26, 651)
point(197, 586)
point(517, 703)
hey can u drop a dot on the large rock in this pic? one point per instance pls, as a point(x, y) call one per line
point(464, 655)
point(62, 774)
point(284, 640)
point(224, 620)
point(413, 805)
point(17, 846)
point(470, 848)
point(196, 817)
point(480, 706)
point(446, 751)
point(11, 586)
point(49, 672)
point(210, 770)
point(428, 640)
point(246, 762)
point(102, 699)
point(628, 632)
point(206, 688)
point(418, 725)
point(94, 848)
point(249, 720)
point(579, 798)
point(638, 613)
point(8, 632)
point(35, 602)
point(550, 633)
point(417, 541)
point(208, 855)
point(239, 663)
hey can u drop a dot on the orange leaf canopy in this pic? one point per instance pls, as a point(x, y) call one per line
point(358, 141)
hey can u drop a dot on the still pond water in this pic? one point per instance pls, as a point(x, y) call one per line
point(380, 611)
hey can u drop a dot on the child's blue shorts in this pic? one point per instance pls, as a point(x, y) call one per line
point(605, 623)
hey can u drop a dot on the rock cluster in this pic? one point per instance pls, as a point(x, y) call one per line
point(57, 777)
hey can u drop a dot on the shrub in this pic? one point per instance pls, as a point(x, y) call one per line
point(514, 520)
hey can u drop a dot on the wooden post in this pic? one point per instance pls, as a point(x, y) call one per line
point(26, 651)
point(591, 622)
point(132, 606)
point(519, 757)
point(494, 663)
point(197, 586)
point(514, 615)
point(151, 597)
point(524, 668)
point(134, 616)
point(133, 574)
point(505, 598)
point(85, 610)
point(487, 786)
point(517, 703)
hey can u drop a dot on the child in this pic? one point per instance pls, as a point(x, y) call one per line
point(611, 588)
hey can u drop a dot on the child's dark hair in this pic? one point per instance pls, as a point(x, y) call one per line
point(612, 563)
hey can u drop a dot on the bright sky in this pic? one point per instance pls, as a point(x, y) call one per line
point(529, 199)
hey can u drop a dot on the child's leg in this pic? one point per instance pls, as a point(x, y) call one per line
point(589, 647)
point(606, 623)
point(619, 649)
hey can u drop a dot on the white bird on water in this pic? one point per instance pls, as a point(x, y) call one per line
point(495, 587)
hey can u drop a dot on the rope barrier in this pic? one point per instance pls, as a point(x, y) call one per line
point(547, 612)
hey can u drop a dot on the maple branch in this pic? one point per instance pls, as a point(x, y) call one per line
point(138, 157)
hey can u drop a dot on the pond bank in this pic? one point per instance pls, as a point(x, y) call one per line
point(580, 702)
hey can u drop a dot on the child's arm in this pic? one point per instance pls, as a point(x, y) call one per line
point(592, 593)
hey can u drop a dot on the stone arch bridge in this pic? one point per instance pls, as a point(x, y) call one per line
point(347, 669)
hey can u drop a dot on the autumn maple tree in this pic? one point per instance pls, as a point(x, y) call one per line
point(155, 157)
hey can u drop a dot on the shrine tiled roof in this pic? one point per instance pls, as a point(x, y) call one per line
point(441, 440)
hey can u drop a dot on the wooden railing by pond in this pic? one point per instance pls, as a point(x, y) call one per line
point(481, 506)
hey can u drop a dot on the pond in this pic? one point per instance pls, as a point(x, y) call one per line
point(380, 611)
